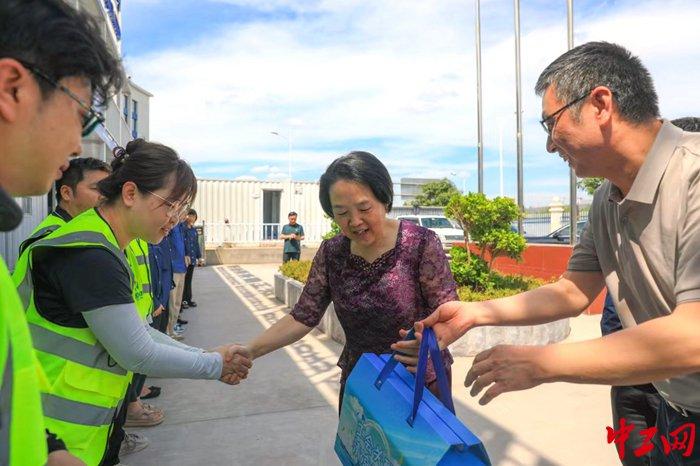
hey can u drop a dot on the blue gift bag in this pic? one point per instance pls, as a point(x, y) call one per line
point(388, 418)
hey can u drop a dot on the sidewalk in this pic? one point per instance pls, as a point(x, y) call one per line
point(286, 412)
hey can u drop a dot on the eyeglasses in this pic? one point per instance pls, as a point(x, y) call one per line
point(175, 210)
point(550, 121)
point(92, 117)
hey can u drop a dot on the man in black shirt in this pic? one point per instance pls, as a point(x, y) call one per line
point(76, 192)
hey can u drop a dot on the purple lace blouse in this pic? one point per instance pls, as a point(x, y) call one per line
point(373, 301)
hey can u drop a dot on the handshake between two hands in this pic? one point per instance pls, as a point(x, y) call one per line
point(237, 361)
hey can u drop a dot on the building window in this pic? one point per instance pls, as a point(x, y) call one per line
point(126, 108)
point(135, 118)
point(27, 205)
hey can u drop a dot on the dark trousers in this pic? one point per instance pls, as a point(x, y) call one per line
point(160, 323)
point(638, 405)
point(668, 421)
point(289, 256)
point(116, 437)
point(187, 292)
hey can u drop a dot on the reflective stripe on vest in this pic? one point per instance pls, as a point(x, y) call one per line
point(137, 256)
point(95, 356)
point(25, 287)
point(76, 412)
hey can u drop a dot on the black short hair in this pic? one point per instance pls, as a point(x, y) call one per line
point(150, 166)
point(690, 124)
point(291, 213)
point(583, 68)
point(76, 173)
point(61, 42)
point(192, 212)
point(360, 167)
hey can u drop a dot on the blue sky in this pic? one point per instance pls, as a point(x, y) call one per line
point(393, 77)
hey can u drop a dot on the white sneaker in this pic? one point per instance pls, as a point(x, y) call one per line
point(132, 443)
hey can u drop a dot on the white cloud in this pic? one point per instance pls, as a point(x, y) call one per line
point(398, 75)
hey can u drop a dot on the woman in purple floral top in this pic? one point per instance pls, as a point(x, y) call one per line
point(381, 274)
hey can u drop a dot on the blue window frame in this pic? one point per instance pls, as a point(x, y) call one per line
point(135, 119)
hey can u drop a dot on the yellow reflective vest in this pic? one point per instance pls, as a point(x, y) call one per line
point(86, 385)
point(22, 435)
point(50, 224)
point(137, 256)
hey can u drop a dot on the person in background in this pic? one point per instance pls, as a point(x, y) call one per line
point(53, 65)
point(637, 404)
point(193, 257)
point(292, 234)
point(76, 192)
point(176, 237)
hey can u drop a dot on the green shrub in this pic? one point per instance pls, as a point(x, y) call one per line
point(503, 286)
point(297, 270)
point(334, 231)
point(469, 270)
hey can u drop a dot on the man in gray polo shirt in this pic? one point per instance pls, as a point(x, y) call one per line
point(600, 112)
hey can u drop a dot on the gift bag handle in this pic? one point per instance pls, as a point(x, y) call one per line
point(429, 345)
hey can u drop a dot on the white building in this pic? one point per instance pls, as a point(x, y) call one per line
point(127, 117)
point(253, 212)
point(412, 187)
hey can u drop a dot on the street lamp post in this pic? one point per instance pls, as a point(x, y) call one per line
point(288, 138)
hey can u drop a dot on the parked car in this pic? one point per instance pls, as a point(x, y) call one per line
point(445, 230)
point(558, 236)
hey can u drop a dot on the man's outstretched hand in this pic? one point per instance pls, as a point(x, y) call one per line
point(450, 321)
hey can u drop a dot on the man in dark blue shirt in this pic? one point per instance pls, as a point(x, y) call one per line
point(193, 257)
point(176, 237)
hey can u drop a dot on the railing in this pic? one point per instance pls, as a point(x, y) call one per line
point(257, 233)
point(540, 223)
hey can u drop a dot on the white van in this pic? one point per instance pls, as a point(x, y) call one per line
point(445, 230)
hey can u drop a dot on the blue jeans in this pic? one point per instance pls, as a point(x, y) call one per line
point(668, 420)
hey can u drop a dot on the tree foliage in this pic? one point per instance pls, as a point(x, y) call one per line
point(487, 223)
point(590, 184)
point(435, 193)
point(334, 231)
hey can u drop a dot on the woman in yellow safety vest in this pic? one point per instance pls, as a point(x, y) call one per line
point(78, 293)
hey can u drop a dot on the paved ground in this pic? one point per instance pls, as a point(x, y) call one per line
point(285, 414)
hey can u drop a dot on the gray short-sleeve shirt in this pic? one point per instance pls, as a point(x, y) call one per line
point(647, 245)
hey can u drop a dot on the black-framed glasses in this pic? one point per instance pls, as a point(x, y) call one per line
point(92, 117)
point(549, 121)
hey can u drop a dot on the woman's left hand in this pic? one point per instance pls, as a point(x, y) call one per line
point(409, 348)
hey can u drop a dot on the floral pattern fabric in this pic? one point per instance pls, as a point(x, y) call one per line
point(373, 301)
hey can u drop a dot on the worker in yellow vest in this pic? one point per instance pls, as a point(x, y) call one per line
point(76, 192)
point(78, 291)
point(53, 65)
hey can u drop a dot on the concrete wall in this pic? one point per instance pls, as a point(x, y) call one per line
point(252, 255)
